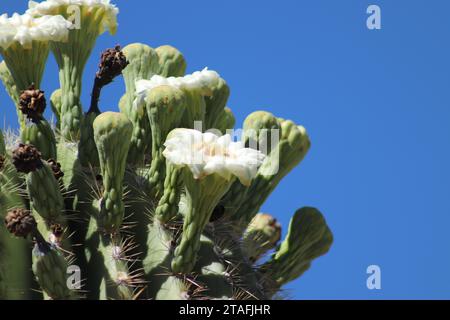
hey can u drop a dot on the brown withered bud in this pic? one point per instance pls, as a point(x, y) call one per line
point(112, 62)
point(32, 103)
point(26, 158)
point(56, 168)
point(20, 222)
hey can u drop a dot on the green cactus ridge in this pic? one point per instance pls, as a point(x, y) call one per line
point(171, 61)
point(111, 196)
point(45, 194)
point(308, 238)
point(50, 269)
point(165, 106)
point(26, 65)
point(72, 56)
point(202, 196)
point(167, 207)
point(40, 134)
point(215, 104)
point(109, 130)
point(144, 63)
point(292, 147)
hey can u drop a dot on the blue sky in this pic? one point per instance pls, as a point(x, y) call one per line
point(375, 103)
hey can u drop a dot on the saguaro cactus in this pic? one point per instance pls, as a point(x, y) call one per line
point(144, 202)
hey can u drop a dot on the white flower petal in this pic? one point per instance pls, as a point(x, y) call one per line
point(48, 7)
point(199, 80)
point(207, 153)
point(24, 29)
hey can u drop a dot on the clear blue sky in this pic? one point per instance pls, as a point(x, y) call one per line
point(376, 105)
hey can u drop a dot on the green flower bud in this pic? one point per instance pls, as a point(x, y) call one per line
point(171, 62)
point(261, 235)
point(308, 237)
point(165, 106)
point(112, 133)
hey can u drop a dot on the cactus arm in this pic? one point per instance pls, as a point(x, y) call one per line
point(40, 134)
point(143, 65)
point(165, 106)
point(45, 195)
point(26, 64)
point(257, 135)
point(70, 75)
point(202, 196)
point(112, 131)
point(23, 67)
point(71, 57)
point(308, 237)
point(50, 269)
point(140, 143)
point(47, 203)
point(289, 152)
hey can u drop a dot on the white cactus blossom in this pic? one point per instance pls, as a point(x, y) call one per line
point(48, 7)
point(25, 29)
point(199, 80)
point(207, 153)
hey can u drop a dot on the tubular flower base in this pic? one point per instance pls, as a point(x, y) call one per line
point(141, 203)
